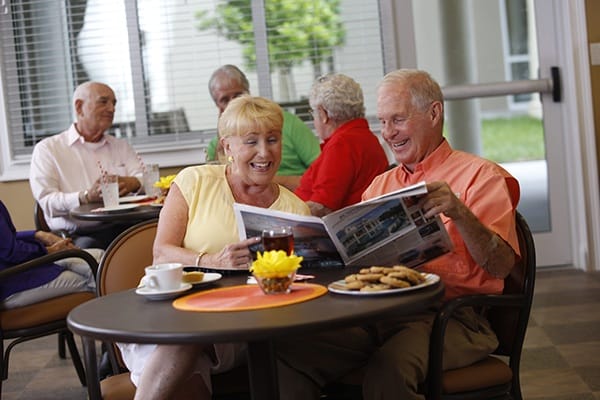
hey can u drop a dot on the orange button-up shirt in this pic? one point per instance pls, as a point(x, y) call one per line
point(489, 191)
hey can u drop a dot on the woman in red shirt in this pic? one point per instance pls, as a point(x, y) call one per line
point(351, 155)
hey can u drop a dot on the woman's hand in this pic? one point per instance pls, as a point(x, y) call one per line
point(47, 238)
point(232, 256)
point(62, 244)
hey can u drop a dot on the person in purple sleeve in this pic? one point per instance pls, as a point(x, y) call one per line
point(46, 281)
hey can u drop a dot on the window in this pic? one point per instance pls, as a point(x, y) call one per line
point(516, 45)
point(158, 56)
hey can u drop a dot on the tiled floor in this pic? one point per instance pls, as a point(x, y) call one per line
point(561, 359)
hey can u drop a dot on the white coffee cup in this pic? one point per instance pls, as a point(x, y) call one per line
point(163, 276)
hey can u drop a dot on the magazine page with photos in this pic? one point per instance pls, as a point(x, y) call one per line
point(387, 230)
point(311, 239)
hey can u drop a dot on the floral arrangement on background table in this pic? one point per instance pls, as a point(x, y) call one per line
point(274, 270)
point(164, 184)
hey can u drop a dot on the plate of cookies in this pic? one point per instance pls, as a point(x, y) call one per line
point(374, 281)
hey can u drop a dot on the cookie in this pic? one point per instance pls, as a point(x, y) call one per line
point(193, 277)
point(395, 282)
point(406, 273)
point(354, 285)
point(369, 277)
point(375, 287)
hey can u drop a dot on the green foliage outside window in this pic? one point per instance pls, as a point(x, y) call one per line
point(513, 139)
point(298, 30)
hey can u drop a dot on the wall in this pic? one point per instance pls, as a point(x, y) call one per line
point(592, 8)
point(18, 199)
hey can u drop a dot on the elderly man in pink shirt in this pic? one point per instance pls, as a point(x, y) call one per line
point(477, 200)
point(65, 171)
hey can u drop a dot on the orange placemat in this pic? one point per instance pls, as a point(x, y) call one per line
point(246, 297)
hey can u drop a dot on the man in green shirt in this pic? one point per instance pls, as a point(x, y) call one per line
point(300, 145)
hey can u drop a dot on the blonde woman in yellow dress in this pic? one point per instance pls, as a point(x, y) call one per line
point(197, 226)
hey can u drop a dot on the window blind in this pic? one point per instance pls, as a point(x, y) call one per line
point(158, 55)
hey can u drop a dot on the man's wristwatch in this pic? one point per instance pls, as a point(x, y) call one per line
point(83, 197)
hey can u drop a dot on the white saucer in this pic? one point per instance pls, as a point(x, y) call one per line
point(152, 294)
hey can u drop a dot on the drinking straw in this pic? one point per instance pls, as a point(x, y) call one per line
point(103, 173)
point(139, 158)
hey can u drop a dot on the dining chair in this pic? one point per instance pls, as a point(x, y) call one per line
point(496, 376)
point(44, 318)
point(40, 222)
point(121, 268)
point(508, 313)
point(41, 225)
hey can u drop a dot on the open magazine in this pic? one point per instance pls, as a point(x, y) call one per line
point(387, 230)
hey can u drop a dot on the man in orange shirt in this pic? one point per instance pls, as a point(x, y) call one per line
point(477, 200)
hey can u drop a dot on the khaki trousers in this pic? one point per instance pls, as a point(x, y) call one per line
point(394, 370)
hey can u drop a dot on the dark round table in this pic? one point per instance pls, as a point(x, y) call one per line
point(128, 317)
point(140, 213)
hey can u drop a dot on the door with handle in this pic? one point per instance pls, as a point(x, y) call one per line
point(500, 65)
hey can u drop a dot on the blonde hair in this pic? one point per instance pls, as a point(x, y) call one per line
point(246, 113)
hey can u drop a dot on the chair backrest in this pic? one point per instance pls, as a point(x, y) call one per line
point(510, 323)
point(39, 219)
point(122, 267)
point(123, 263)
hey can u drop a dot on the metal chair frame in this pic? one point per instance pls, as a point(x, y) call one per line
point(59, 326)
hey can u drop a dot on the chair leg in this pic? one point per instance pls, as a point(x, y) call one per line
point(75, 357)
point(3, 368)
point(61, 345)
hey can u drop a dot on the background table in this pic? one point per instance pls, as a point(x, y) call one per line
point(128, 317)
point(140, 213)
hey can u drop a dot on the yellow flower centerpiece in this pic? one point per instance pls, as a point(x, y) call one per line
point(164, 184)
point(274, 271)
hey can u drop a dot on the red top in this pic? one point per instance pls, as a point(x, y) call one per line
point(349, 160)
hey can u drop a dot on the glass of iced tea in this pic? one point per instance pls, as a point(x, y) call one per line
point(278, 238)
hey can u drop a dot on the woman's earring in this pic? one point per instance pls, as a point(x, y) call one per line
point(230, 159)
